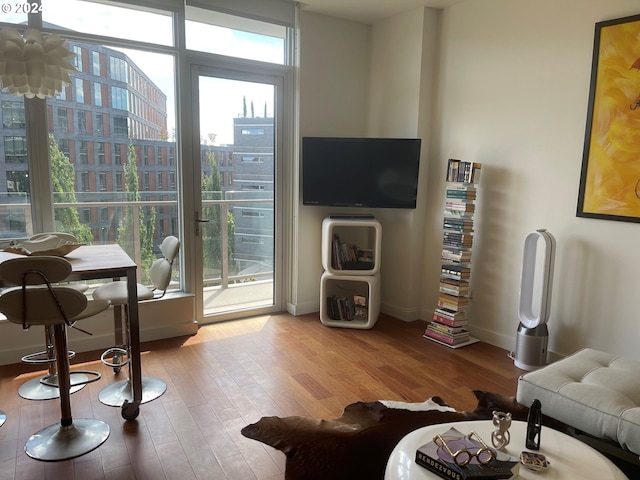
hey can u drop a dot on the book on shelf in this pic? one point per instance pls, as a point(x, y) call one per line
point(451, 314)
point(452, 302)
point(347, 256)
point(448, 339)
point(463, 172)
point(457, 224)
point(458, 240)
point(455, 271)
point(435, 458)
point(436, 317)
point(346, 309)
point(461, 194)
point(454, 287)
point(454, 254)
point(447, 330)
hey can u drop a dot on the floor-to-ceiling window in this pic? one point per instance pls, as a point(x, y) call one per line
point(120, 161)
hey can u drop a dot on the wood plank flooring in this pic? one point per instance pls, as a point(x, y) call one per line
point(231, 374)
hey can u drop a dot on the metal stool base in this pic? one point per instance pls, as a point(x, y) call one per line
point(34, 389)
point(55, 442)
point(115, 394)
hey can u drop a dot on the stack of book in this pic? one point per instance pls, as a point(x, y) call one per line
point(458, 208)
point(448, 326)
point(461, 192)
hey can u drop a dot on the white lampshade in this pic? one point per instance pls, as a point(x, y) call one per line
point(34, 64)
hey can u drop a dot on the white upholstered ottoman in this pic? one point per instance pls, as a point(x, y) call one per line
point(595, 392)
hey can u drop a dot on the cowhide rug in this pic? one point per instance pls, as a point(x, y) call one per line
point(358, 444)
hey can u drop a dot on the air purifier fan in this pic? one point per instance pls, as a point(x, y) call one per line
point(533, 335)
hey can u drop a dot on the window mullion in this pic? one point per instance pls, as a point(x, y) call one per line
point(39, 171)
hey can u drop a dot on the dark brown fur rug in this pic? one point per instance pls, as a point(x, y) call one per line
point(357, 445)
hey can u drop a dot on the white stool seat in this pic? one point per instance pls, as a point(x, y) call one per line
point(116, 292)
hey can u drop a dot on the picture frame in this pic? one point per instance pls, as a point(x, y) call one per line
point(610, 174)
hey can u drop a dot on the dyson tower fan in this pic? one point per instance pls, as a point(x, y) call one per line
point(533, 335)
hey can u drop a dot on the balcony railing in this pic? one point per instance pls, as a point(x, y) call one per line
point(254, 262)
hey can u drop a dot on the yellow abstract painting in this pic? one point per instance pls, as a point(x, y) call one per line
point(610, 181)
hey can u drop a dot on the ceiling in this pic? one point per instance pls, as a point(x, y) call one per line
point(369, 11)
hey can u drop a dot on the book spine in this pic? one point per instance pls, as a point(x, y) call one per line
point(440, 469)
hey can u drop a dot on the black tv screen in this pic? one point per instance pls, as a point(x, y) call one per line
point(360, 172)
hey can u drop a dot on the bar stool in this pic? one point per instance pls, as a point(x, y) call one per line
point(45, 387)
point(38, 302)
point(117, 393)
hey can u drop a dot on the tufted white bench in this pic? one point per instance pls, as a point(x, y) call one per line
point(592, 391)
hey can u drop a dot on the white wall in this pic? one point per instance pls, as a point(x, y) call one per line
point(512, 93)
point(348, 66)
point(514, 87)
point(334, 91)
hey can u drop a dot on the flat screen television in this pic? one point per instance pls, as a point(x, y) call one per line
point(360, 172)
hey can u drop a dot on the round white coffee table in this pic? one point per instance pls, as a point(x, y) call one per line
point(568, 458)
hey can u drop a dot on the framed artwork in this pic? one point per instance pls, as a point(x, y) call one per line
point(610, 176)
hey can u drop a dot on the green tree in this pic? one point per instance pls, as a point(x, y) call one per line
point(135, 219)
point(63, 179)
point(212, 231)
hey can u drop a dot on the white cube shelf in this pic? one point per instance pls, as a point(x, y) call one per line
point(363, 234)
point(348, 286)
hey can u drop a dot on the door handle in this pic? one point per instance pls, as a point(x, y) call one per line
point(202, 220)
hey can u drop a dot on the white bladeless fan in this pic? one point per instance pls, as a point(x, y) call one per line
point(533, 335)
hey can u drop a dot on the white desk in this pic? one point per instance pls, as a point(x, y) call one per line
point(569, 458)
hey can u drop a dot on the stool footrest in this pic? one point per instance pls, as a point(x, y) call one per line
point(42, 357)
point(91, 377)
point(118, 354)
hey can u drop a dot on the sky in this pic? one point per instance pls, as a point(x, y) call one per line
point(221, 101)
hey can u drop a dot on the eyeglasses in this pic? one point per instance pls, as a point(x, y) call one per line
point(457, 451)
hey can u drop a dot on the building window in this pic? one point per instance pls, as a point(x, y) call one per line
point(76, 61)
point(145, 155)
point(172, 156)
point(253, 131)
point(98, 127)
point(95, 64)
point(15, 149)
point(251, 159)
point(103, 181)
point(252, 214)
point(117, 154)
point(146, 182)
point(119, 181)
point(159, 181)
point(172, 180)
point(62, 123)
point(97, 94)
point(63, 145)
point(83, 152)
point(118, 69)
point(119, 98)
point(82, 121)
point(253, 240)
point(120, 126)
point(13, 114)
point(84, 182)
point(100, 159)
point(79, 87)
point(86, 216)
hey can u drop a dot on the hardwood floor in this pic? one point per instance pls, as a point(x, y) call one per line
point(230, 375)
